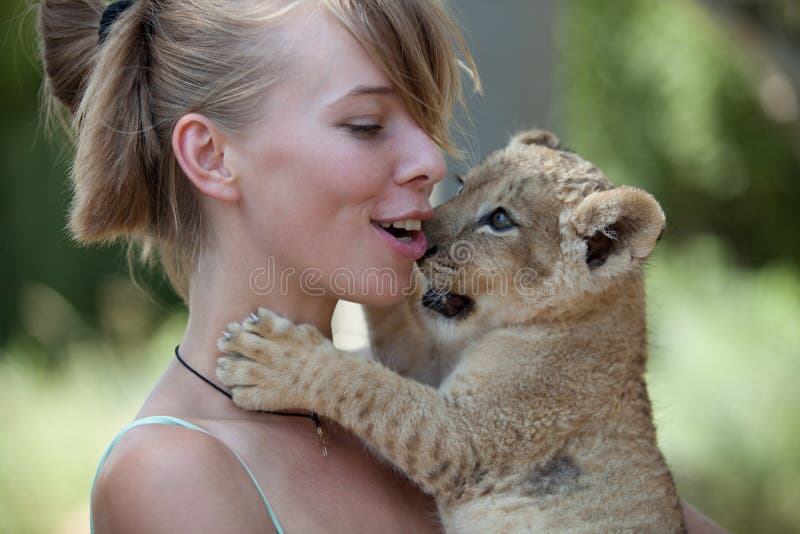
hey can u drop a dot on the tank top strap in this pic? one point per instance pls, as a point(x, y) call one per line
point(174, 421)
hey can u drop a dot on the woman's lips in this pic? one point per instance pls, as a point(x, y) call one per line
point(413, 249)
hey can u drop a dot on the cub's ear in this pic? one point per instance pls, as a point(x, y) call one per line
point(535, 137)
point(619, 226)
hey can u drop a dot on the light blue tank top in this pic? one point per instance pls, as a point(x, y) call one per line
point(167, 420)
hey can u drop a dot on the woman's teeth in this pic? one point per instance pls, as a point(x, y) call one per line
point(408, 224)
point(400, 229)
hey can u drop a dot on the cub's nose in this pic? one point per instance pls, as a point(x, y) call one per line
point(430, 252)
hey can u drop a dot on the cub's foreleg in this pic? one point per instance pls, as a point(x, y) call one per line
point(276, 365)
point(399, 339)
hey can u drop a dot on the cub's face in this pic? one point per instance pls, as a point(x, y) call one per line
point(514, 242)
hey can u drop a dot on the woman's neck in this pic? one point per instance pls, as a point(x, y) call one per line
point(221, 294)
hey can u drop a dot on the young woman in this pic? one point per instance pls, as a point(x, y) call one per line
point(238, 139)
point(234, 136)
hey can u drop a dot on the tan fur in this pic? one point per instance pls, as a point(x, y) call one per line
point(536, 415)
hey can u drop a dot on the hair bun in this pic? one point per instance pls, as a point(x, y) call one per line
point(68, 30)
point(109, 16)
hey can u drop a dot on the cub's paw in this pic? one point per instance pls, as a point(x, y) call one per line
point(254, 385)
point(269, 357)
point(271, 339)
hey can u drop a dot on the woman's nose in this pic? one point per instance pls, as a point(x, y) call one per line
point(422, 162)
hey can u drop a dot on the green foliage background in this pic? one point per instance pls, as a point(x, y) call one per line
point(660, 96)
point(657, 93)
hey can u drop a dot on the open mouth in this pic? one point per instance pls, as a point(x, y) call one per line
point(404, 236)
point(404, 231)
point(450, 305)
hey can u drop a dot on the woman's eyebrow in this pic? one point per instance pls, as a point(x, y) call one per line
point(363, 90)
point(370, 90)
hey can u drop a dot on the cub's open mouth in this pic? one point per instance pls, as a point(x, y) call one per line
point(450, 305)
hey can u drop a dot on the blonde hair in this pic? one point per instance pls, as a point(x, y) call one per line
point(164, 58)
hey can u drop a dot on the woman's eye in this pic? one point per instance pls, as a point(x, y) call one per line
point(364, 130)
point(500, 220)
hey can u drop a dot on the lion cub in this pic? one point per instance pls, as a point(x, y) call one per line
point(533, 329)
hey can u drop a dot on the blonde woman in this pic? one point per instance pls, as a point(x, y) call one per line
point(238, 140)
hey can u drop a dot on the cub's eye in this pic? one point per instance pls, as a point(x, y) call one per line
point(460, 183)
point(500, 220)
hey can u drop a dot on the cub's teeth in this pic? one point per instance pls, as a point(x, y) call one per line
point(405, 239)
point(385, 225)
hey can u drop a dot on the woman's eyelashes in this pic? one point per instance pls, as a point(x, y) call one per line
point(364, 131)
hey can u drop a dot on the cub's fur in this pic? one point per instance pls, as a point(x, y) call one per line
point(532, 340)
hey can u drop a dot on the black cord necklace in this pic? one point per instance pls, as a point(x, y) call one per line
point(313, 416)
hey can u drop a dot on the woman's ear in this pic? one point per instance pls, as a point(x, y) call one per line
point(199, 147)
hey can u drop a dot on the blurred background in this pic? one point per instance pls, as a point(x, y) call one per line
point(694, 100)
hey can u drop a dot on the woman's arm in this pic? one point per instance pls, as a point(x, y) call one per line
point(162, 479)
point(697, 523)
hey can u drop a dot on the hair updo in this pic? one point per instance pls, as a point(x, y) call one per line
point(161, 59)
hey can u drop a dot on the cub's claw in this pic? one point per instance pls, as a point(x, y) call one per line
point(264, 336)
point(267, 356)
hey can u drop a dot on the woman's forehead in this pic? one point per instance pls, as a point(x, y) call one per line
point(325, 60)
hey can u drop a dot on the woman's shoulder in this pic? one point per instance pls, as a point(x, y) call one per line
point(168, 478)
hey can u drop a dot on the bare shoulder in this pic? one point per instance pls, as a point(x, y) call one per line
point(164, 479)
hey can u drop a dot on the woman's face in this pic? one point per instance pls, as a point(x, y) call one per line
point(335, 155)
